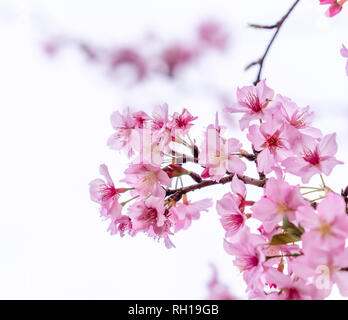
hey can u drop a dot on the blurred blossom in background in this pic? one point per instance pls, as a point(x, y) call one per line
point(67, 65)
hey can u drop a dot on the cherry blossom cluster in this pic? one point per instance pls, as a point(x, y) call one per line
point(290, 243)
point(298, 250)
point(335, 6)
point(163, 59)
point(148, 141)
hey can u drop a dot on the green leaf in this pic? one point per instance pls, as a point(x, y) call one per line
point(284, 238)
point(290, 228)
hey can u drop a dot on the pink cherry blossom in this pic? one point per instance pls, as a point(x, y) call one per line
point(121, 226)
point(314, 158)
point(182, 214)
point(328, 228)
point(181, 123)
point(239, 190)
point(280, 200)
point(232, 219)
point(344, 53)
point(125, 125)
point(249, 257)
point(147, 179)
point(219, 156)
point(289, 288)
point(335, 6)
point(160, 126)
point(150, 216)
point(325, 268)
point(106, 194)
point(298, 120)
point(270, 139)
point(253, 101)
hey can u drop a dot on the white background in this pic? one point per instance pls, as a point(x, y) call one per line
point(54, 124)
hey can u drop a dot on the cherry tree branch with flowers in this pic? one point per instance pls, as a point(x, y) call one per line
point(289, 243)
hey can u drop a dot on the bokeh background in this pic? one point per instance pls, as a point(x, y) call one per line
point(54, 125)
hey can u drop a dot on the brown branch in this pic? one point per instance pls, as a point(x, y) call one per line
point(176, 194)
point(276, 26)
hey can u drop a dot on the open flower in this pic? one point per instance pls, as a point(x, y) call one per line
point(314, 158)
point(147, 178)
point(328, 228)
point(253, 101)
point(249, 257)
point(325, 268)
point(232, 219)
point(298, 120)
point(280, 200)
point(290, 288)
point(106, 194)
point(270, 139)
point(219, 155)
point(181, 123)
point(182, 214)
point(150, 217)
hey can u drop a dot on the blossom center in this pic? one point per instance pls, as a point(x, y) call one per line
point(254, 104)
point(325, 229)
point(273, 142)
point(282, 208)
point(108, 192)
point(312, 157)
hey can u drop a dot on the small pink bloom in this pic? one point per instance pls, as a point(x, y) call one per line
point(298, 120)
point(291, 288)
point(232, 219)
point(150, 217)
point(181, 123)
point(249, 257)
point(328, 228)
point(344, 53)
point(280, 200)
point(270, 139)
point(106, 194)
point(335, 6)
point(314, 158)
point(125, 125)
point(253, 101)
point(218, 155)
point(324, 267)
point(147, 178)
point(121, 225)
point(182, 214)
point(160, 127)
point(239, 190)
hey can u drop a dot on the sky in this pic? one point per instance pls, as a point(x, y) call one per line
point(54, 126)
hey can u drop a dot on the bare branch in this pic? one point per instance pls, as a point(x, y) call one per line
point(276, 26)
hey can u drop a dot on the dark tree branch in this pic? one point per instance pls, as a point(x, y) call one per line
point(276, 26)
point(176, 194)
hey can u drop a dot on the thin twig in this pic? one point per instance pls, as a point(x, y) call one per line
point(176, 194)
point(276, 26)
